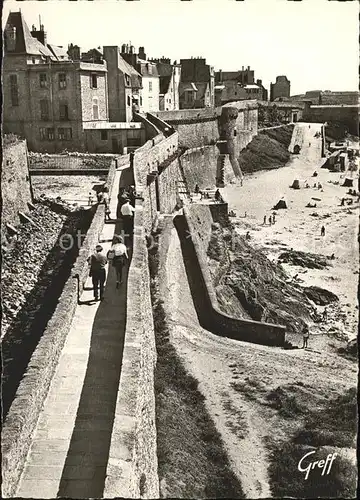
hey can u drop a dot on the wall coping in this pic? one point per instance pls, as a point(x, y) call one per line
point(211, 291)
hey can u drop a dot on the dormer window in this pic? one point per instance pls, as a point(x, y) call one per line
point(10, 38)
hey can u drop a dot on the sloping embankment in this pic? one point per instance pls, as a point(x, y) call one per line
point(268, 150)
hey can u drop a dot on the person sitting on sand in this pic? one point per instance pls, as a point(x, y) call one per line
point(319, 186)
point(248, 237)
point(315, 185)
point(306, 336)
point(315, 174)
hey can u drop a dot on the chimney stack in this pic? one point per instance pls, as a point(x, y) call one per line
point(40, 34)
point(142, 54)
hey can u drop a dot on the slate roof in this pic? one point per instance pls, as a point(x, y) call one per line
point(25, 42)
point(127, 69)
point(59, 52)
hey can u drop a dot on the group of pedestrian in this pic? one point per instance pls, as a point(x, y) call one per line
point(271, 219)
point(118, 255)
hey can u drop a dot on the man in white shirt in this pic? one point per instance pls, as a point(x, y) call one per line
point(127, 212)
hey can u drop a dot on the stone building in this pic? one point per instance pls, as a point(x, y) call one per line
point(196, 84)
point(169, 75)
point(237, 86)
point(281, 88)
point(46, 96)
point(149, 96)
point(124, 86)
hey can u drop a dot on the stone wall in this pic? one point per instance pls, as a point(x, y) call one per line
point(197, 220)
point(132, 465)
point(40, 161)
point(196, 127)
point(202, 165)
point(16, 189)
point(24, 412)
point(347, 115)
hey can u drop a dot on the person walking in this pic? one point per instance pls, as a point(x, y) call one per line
point(306, 336)
point(97, 263)
point(127, 212)
point(273, 218)
point(119, 256)
point(325, 314)
point(323, 231)
point(264, 220)
point(270, 220)
point(91, 199)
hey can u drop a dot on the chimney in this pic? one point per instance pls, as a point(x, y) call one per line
point(242, 68)
point(123, 48)
point(132, 49)
point(142, 54)
point(259, 82)
point(74, 52)
point(40, 34)
point(220, 75)
point(248, 68)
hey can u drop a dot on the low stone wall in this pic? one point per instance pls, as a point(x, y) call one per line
point(38, 161)
point(25, 409)
point(197, 221)
point(132, 465)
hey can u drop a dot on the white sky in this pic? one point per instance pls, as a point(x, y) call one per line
point(313, 42)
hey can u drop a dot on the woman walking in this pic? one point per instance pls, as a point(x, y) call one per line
point(118, 254)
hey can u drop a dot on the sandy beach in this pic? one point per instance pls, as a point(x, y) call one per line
point(296, 228)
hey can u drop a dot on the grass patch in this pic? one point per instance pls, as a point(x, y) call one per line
point(328, 426)
point(192, 462)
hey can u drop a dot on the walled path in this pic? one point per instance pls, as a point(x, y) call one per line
point(69, 452)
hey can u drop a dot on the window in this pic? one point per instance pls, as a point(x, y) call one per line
point(93, 81)
point(14, 91)
point(150, 86)
point(104, 135)
point(44, 110)
point(47, 134)
point(65, 134)
point(64, 111)
point(127, 79)
point(128, 100)
point(95, 109)
point(235, 133)
point(43, 80)
point(62, 81)
point(140, 100)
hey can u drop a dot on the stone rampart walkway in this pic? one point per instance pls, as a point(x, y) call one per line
point(69, 452)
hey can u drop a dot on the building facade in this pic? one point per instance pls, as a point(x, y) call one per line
point(47, 97)
point(149, 94)
point(281, 88)
point(124, 86)
point(197, 84)
point(169, 75)
point(237, 86)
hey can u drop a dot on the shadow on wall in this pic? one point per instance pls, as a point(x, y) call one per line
point(205, 302)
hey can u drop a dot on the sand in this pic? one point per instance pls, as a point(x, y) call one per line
point(296, 228)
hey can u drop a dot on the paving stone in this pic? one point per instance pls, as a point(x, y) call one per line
point(36, 488)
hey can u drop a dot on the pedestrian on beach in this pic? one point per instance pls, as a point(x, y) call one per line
point(127, 213)
point(196, 189)
point(342, 202)
point(100, 196)
point(97, 263)
point(306, 336)
point(248, 237)
point(325, 314)
point(218, 196)
point(91, 199)
point(273, 218)
point(119, 256)
point(270, 220)
point(264, 220)
point(323, 231)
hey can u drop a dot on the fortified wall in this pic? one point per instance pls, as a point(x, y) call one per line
point(347, 115)
point(16, 188)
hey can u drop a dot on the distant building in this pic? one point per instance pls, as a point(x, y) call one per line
point(196, 84)
point(169, 75)
point(328, 97)
point(46, 96)
point(237, 86)
point(124, 86)
point(281, 88)
point(149, 74)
